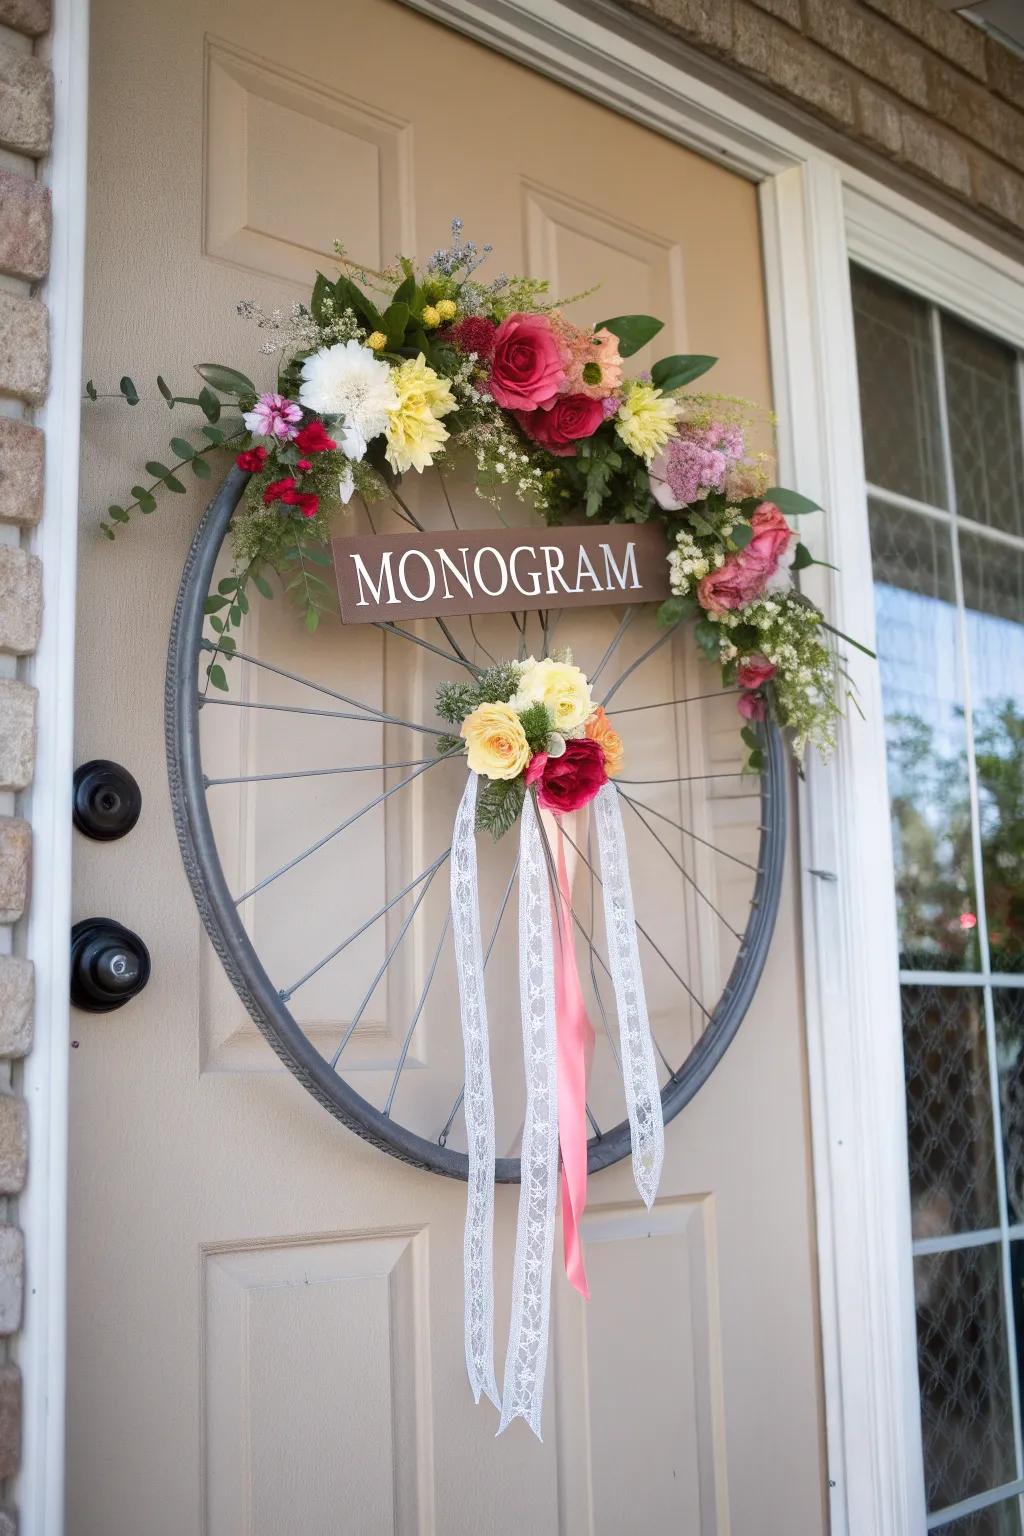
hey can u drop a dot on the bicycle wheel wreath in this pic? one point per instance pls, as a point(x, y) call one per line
point(407, 371)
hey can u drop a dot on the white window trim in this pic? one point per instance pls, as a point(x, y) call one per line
point(818, 213)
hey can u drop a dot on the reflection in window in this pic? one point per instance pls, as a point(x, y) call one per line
point(941, 409)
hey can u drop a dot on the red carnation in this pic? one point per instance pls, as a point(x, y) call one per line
point(277, 490)
point(475, 334)
point(306, 502)
point(559, 428)
point(253, 460)
point(568, 782)
point(313, 439)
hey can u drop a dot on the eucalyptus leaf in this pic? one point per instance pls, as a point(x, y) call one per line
point(227, 380)
point(215, 435)
point(183, 449)
point(209, 404)
point(129, 391)
point(633, 331)
point(90, 389)
point(227, 584)
point(674, 372)
point(214, 604)
point(157, 470)
point(201, 468)
point(262, 585)
point(174, 484)
point(117, 513)
point(217, 677)
point(164, 389)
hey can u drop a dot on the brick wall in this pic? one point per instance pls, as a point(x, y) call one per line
point(907, 80)
point(26, 121)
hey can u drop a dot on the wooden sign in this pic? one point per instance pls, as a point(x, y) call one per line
point(457, 571)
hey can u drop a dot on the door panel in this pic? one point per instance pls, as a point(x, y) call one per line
point(266, 1313)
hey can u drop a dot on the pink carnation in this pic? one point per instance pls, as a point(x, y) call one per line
point(273, 416)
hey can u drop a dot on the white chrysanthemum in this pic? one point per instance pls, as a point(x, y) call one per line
point(346, 380)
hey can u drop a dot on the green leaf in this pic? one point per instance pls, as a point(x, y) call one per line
point(90, 389)
point(164, 389)
point(499, 802)
point(316, 554)
point(633, 331)
point(129, 391)
point(217, 624)
point(183, 449)
point(262, 585)
point(157, 470)
point(215, 435)
point(312, 619)
point(673, 609)
point(350, 297)
point(227, 644)
point(227, 380)
point(118, 513)
point(791, 503)
point(235, 615)
point(749, 738)
point(802, 558)
point(174, 484)
point(209, 404)
point(201, 468)
point(106, 530)
point(323, 288)
point(217, 677)
point(214, 604)
point(227, 584)
point(674, 372)
point(741, 535)
point(756, 760)
point(405, 291)
point(147, 502)
point(243, 601)
point(707, 637)
point(396, 318)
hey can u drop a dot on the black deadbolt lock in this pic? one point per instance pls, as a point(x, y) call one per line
point(109, 965)
point(106, 800)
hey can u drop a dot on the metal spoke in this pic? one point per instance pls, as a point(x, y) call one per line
point(392, 951)
point(687, 832)
point(657, 644)
point(684, 872)
point(330, 714)
point(642, 930)
point(688, 778)
point(315, 773)
point(335, 831)
point(695, 698)
point(624, 623)
point(404, 634)
point(288, 992)
point(416, 1015)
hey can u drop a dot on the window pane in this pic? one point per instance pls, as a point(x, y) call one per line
point(949, 1111)
point(1008, 1008)
point(984, 426)
point(898, 394)
point(918, 655)
point(997, 1520)
point(966, 1412)
point(993, 575)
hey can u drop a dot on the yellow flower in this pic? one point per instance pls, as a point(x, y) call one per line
point(430, 316)
point(646, 419)
point(599, 729)
point(446, 308)
point(558, 685)
point(414, 431)
point(376, 340)
point(496, 742)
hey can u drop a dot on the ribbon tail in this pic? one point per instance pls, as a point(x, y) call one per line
point(575, 1038)
point(639, 1069)
point(478, 1243)
point(526, 1360)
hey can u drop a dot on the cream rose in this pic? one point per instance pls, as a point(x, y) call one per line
point(560, 686)
point(496, 742)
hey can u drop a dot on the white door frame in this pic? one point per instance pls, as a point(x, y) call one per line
point(817, 212)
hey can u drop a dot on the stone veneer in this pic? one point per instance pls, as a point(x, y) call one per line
point(26, 124)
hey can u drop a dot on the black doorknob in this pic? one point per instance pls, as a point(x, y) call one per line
point(106, 801)
point(109, 965)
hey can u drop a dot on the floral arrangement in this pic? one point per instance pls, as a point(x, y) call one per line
point(530, 723)
point(379, 376)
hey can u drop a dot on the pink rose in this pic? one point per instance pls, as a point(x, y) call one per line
point(526, 364)
point(572, 780)
point(751, 706)
point(763, 563)
point(559, 428)
point(754, 671)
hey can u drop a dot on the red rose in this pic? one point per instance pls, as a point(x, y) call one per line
point(754, 671)
point(277, 490)
point(572, 780)
point(313, 439)
point(526, 366)
point(751, 706)
point(559, 428)
point(253, 459)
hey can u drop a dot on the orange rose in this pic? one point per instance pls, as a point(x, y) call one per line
point(599, 729)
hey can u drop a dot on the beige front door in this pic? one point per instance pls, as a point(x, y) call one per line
point(266, 1328)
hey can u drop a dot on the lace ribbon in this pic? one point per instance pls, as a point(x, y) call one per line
point(478, 1243)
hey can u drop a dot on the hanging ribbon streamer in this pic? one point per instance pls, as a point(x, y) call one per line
point(556, 1040)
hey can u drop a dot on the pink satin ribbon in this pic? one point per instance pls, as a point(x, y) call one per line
point(575, 1042)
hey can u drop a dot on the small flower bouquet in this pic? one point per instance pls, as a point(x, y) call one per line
point(526, 723)
point(383, 375)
